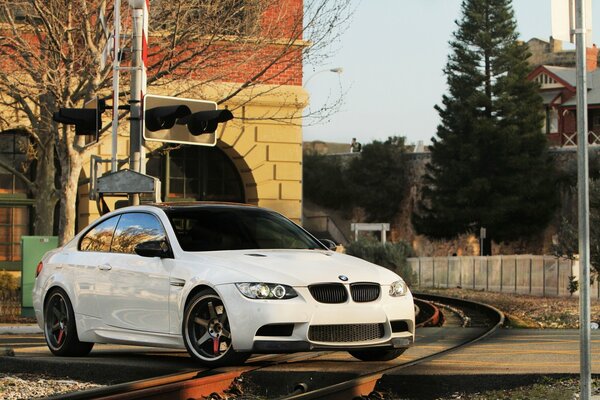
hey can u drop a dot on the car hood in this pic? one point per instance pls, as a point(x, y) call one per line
point(296, 267)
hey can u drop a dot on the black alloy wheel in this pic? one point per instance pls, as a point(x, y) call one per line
point(206, 331)
point(59, 326)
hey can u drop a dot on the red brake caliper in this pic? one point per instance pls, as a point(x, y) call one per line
point(60, 336)
point(216, 346)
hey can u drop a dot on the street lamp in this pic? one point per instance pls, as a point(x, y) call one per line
point(336, 70)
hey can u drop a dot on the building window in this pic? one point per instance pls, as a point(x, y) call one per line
point(197, 173)
point(15, 206)
point(14, 223)
point(221, 17)
point(551, 121)
point(19, 12)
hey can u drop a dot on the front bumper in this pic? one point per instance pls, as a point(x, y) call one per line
point(247, 316)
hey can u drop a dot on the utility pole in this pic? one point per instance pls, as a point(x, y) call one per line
point(116, 68)
point(583, 205)
point(138, 89)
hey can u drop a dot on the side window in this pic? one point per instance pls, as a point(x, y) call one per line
point(100, 237)
point(134, 228)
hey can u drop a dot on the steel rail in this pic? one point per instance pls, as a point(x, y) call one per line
point(427, 314)
point(196, 384)
point(184, 385)
point(365, 384)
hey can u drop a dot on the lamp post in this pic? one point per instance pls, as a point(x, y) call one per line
point(336, 70)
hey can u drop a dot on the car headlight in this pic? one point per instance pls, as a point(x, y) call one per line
point(275, 291)
point(398, 288)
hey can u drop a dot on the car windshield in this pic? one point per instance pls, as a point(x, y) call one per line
point(236, 228)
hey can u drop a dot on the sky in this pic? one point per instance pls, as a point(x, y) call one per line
point(392, 56)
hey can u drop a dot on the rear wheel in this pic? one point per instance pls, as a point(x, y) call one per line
point(59, 326)
point(206, 331)
point(377, 354)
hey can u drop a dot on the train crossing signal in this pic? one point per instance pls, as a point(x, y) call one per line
point(179, 120)
point(87, 120)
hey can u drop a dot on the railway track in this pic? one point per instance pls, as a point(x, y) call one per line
point(199, 385)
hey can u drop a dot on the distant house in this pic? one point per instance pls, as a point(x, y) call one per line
point(557, 78)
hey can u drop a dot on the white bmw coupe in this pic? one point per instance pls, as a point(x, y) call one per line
point(221, 280)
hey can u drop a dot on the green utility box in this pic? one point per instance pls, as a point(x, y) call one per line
point(33, 249)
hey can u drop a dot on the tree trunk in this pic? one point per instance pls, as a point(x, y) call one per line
point(71, 168)
point(45, 193)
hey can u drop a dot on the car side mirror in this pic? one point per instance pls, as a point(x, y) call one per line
point(330, 244)
point(154, 248)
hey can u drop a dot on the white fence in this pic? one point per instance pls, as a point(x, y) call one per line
point(525, 274)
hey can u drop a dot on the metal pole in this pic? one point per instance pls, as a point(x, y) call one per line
point(135, 125)
point(116, 61)
point(583, 206)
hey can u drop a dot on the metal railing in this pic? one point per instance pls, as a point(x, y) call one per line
point(570, 139)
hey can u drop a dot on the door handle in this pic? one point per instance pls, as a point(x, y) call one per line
point(104, 267)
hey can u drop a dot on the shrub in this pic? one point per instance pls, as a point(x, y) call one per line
point(390, 255)
point(8, 281)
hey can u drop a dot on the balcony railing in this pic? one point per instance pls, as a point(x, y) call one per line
point(570, 139)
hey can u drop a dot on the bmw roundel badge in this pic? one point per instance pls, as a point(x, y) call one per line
point(343, 278)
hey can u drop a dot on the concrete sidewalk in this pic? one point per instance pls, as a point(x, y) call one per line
point(19, 329)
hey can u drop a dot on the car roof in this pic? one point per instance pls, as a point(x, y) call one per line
point(172, 206)
point(188, 204)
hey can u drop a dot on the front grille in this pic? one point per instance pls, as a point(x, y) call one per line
point(345, 333)
point(364, 292)
point(330, 293)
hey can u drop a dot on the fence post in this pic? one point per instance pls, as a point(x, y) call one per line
point(419, 271)
point(557, 277)
point(460, 271)
point(487, 274)
point(543, 277)
point(515, 274)
point(448, 273)
point(501, 274)
point(530, 272)
point(473, 272)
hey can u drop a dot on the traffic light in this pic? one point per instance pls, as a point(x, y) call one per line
point(87, 121)
point(179, 120)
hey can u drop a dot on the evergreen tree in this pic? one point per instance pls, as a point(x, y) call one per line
point(489, 165)
point(377, 178)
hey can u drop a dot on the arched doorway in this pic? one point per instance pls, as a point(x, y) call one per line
point(191, 173)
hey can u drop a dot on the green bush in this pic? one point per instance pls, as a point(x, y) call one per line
point(390, 255)
point(8, 281)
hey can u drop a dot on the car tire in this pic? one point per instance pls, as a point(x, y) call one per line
point(377, 354)
point(60, 329)
point(206, 331)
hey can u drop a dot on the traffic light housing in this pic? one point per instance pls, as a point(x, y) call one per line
point(87, 121)
point(179, 120)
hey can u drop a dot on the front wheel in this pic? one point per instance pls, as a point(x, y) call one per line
point(206, 331)
point(60, 330)
point(377, 354)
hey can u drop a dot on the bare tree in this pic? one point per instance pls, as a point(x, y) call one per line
point(50, 54)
